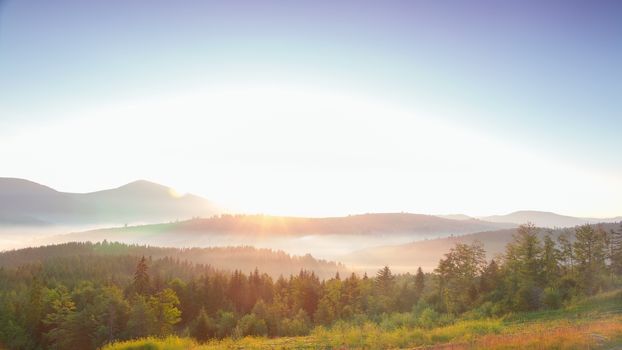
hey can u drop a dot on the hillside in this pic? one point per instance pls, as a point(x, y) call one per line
point(246, 259)
point(94, 295)
point(426, 253)
point(26, 203)
point(326, 238)
point(546, 219)
point(263, 225)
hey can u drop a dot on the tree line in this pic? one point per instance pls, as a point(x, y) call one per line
point(83, 301)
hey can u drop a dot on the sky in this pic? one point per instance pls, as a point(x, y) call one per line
point(320, 107)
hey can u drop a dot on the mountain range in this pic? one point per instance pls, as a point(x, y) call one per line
point(24, 202)
point(547, 219)
point(144, 212)
point(538, 218)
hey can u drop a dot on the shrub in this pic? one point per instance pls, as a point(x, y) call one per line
point(552, 298)
point(251, 325)
point(226, 324)
point(428, 318)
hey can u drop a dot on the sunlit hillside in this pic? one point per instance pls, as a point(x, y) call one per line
point(104, 254)
point(310, 174)
point(425, 253)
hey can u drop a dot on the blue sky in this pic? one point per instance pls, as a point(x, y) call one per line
point(537, 81)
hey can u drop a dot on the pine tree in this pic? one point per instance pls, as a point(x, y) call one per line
point(203, 327)
point(523, 269)
point(419, 283)
point(458, 272)
point(566, 253)
point(141, 321)
point(384, 280)
point(165, 309)
point(490, 279)
point(589, 249)
point(141, 277)
point(616, 251)
point(550, 262)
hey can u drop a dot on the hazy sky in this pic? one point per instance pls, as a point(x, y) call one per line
point(320, 107)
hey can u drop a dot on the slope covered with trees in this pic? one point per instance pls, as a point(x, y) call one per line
point(427, 252)
point(358, 225)
point(85, 301)
point(273, 262)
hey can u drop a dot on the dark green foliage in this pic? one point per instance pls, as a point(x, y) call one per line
point(419, 283)
point(457, 277)
point(251, 325)
point(226, 324)
point(490, 278)
point(524, 270)
point(203, 328)
point(615, 250)
point(384, 280)
point(141, 322)
point(82, 300)
point(589, 250)
point(141, 278)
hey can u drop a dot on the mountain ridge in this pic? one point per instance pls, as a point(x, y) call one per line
point(24, 202)
point(546, 219)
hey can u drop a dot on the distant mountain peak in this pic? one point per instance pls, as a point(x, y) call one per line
point(544, 219)
point(15, 186)
point(456, 217)
point(23, 201)
point(143, 185)
point(537, 212)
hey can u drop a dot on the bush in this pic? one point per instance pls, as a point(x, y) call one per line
point(528, 298)
point(251, 325)
point(398, 320)
point(226, 324)
point(483, 311)
point(552, 298)
point(429, 318)
point(299, 325)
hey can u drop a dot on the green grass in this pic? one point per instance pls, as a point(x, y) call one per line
point(170, 343)
point(601, 305)
point(589, 324)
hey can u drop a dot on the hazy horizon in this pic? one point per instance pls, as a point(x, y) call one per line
point(175, 193)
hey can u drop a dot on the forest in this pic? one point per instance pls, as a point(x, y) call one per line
point(246, 258)
point(72, 297)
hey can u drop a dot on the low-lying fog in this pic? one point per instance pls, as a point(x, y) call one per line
point(330, 247)
point(17, 237)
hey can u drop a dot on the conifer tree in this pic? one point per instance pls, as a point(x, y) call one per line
point(384, 280)
point(616, 251)
point(419, 283)
point(141, 277)
point(203, 328)
point(589, 250)
point(550, 262)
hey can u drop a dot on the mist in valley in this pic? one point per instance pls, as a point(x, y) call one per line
point(331, 247)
